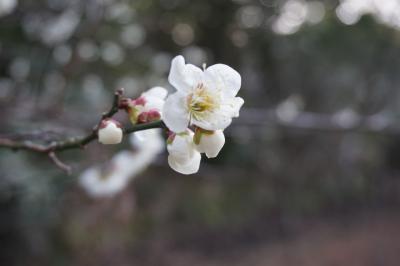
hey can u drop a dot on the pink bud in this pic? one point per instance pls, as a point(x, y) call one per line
point(140, 101)
point(149, 116)
point(125, 103)
point(105, 122)
point(154, 115)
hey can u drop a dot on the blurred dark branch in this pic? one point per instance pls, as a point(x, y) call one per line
point(74, 142)
point(343, 121)
point(340, 122)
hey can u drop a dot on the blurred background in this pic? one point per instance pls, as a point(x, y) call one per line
point(310, 173)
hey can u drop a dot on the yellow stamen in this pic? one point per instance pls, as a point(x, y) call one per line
point(201, 102)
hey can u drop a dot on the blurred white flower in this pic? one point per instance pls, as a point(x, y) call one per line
point(209, 142)
point(110, 132)
point(98, 184)
point(148, 106)
point(203, 98)
point(109, 180)
point(7, 6)
point(183, 156)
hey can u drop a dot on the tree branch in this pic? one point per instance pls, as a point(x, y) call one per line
point(59, 163)
point(75, 142)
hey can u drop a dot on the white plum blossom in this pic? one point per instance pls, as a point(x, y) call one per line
point(183, 156)
point(210, 142)
point(98, 185)
point(148, 106)
point(206, 99)
point(108, 180)
point(110, 132)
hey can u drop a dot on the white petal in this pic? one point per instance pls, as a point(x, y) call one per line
point(111, 134)
point(211, 144)
point(158, 92)
point(96, 184)
point(153, 103)
point(89, 177)
point(182, 147)
point(215, 122)
point(175, 114)
point(188, 167)
point(223, 78)
point(184, 77)
point(222, 117)
point(232, 106)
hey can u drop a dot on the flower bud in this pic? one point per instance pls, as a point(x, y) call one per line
point(147, 107)
point(209, 142)
point(150, 116)
point(110, 132)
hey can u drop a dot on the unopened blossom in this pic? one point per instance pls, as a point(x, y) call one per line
point(110, 132)
point(183, 156)
point(206, 99)
point(209, 142)
point(148, 106)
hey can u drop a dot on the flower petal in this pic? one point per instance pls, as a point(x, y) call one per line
point(211, 144)
point(214, 122)
point(188, 167)
point(175, 114)
point(233, 106)
point(222, 117)
point(223, 78)
point(183, 76)
point(182, 147)
point(157, 92)
point(153, 103)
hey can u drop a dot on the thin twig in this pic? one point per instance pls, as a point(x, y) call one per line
point(59, 163)
point(76, 142)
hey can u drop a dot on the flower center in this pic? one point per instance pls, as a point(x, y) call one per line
point(201, 102)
